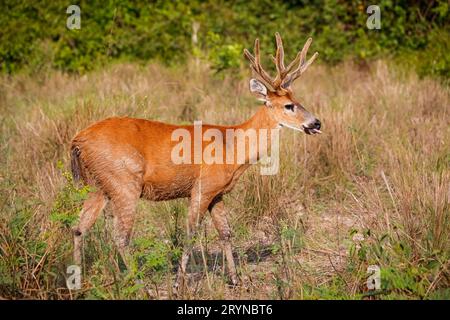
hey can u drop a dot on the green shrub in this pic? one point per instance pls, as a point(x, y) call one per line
point(67, 205)
point(35, 36)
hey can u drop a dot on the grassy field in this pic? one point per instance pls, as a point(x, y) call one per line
point(373, 189)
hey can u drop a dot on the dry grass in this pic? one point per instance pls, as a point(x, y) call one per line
point(380, 171)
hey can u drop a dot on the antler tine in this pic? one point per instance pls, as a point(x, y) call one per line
point(311, 60)
point(279, 56)
point(249, 56)
point(302, 66)
point(256, 64)
point(300, 57)
point(292, 64)
point(305, 51)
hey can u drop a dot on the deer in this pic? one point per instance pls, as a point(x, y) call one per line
point(125, 159)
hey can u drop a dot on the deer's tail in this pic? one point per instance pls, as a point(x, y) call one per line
point(75, 163)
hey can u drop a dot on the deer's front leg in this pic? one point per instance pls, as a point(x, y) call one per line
point(221, 223)
point(197, 208)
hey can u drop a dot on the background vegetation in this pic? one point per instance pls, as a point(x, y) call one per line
point(372, 190)
point(34, 34)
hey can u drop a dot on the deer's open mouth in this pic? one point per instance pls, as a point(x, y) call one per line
point(311, 130)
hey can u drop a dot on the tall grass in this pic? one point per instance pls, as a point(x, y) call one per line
point(372, 190)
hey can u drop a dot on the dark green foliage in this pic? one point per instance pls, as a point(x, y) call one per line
point(34, 34)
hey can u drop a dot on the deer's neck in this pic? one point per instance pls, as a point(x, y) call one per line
point(262, 124)
point(260, 120)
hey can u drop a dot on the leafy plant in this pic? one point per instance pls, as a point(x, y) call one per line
point(66, 207)
point(35, 37)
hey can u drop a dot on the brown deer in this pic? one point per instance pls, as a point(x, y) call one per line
point(127, 159)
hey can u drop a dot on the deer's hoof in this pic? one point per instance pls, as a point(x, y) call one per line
point(233, 281)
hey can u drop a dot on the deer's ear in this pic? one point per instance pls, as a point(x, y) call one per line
point(258, 87)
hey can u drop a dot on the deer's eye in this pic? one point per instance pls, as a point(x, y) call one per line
point(289, 106)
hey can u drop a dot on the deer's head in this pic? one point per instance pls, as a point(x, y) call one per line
point(277, 93)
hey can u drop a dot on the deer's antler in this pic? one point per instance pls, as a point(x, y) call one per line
point(256, 65)
point(285, 75)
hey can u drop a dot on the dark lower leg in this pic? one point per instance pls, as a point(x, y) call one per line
point(90, 212)
point(221, 223)
point(187, 250)
point(196, 213)
point(122, 234)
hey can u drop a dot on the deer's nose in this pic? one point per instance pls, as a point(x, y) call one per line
point(317, 124)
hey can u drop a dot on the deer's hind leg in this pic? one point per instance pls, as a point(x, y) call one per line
point(92, 208)
point(123, 206)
